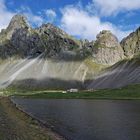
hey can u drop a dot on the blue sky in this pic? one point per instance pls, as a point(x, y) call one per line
point(81, 18)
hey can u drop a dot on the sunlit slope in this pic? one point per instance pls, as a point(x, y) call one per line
point(121, 74)
point(48, 58)
point(43, 73)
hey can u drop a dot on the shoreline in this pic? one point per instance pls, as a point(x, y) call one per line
point(84, 96)
point(46, 131)
point(41, 123)
point(75, 98)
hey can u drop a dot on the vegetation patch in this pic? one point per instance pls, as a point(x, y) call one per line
point(129, 92)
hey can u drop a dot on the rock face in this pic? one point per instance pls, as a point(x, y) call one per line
point(107, 49)
point(47, 57)
point(18, 28)
point(17, 22)
point(131, 44)
point(20, 39)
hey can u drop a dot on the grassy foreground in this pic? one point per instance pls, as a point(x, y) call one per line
point(129, 92)
point(16, 125)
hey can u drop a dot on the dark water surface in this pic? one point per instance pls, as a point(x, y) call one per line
point(87, 119)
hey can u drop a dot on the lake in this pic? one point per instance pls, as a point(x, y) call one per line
point(79, 119)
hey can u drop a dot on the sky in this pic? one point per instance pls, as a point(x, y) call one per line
point(83, 19)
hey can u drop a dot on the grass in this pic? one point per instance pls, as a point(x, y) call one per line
point(129, 92)
point(93, 65)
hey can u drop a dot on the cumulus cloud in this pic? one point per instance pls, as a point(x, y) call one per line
point(111, 7)
point(76, 20)
point(79, 22)
point(51, 15)
point(35, 20)
point(5, 15)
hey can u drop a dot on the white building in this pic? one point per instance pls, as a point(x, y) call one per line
point(72, 90)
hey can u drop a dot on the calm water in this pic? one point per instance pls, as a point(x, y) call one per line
point(87, 119)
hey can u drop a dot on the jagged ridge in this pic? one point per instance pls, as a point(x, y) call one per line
point(21, 40)
point(47, 57)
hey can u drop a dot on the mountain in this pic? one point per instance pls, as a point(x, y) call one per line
point(121, 74)
point(124, 72)
point(20, 39)
point(48, 58)
point(107, 49)
point(131, 44)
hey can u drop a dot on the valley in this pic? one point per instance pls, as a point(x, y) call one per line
point(48, 78)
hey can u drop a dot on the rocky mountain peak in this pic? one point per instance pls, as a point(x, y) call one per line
point(27, 41)
point(138, 29)
point(18, 21)
point(51, 29)
point(103, 32)
point(131, 44)
point(107, 49)
point(54, 41)
point(107, 39)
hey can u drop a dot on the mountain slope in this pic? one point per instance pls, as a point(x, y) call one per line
point(107, 49)
point(131, 44)
point(45, 57)
point(45, 73)
point(125, 72)
point(119, 75)
point(49, 58)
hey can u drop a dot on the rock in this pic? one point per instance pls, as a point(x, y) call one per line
point(25, 41)
point(17, 22)
point(56, 40)
point(107, 49)
point(131, 44)
point(47, 57)
point(21, 40)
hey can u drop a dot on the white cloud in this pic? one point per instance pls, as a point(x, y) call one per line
point(75, 20)
point(79, 22)
point(35, 20)
point(111, 7)
point(51, 15)
point(5, 15)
